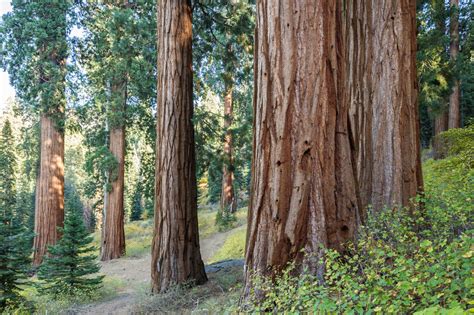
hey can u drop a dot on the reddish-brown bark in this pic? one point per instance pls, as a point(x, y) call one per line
point(228, 202)
point(175, 250)
point(383, 102)
point(303, 188)
point(113, 233)
point(49, 204)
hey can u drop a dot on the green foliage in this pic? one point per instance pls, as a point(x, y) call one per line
point(448, 183)
point(225, 220)
point(208, 225)
point(34, 52)
point(70, 268)
point(26, 148)
point(137, 209)
point(233, 247)
point(8, 168)
point(405, 261)
point(118, 53)
point(459, 141)
point(392, 269)
point(436, 71)
point(223, 58)
point(138, 237)
point(14, 237)
point(63, 303)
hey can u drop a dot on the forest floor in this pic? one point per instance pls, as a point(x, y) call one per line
point(133, 276)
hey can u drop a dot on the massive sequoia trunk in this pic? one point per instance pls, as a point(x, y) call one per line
point(383, 102)
point(228, 202)
point(175, 250)
point(113, 233)
point(454, 109)
point(303, 188)
point(49, 203)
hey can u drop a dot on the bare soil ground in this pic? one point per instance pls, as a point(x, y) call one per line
point(135, 275)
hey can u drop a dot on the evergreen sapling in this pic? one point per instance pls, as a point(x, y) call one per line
point(72, 265)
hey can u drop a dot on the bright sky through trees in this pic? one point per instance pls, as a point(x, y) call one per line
point(6, 90)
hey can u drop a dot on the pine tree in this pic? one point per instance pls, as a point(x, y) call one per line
point(72, 262)
point(14, 238)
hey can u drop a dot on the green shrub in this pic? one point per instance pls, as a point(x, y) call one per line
point(405, 261)
point(458, 141)
point(449, 193)
point(394, 268)
point(225, 220)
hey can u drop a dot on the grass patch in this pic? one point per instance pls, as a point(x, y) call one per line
point(233, 247)
point(139, 234)
point(219, 295)
point(207, 222)
point(208, 225)
point(138, 238)
point(45, 304)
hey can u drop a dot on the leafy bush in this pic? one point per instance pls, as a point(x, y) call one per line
point(458, 142)
point(393, 268)
point(449, 183)
point(405, 261)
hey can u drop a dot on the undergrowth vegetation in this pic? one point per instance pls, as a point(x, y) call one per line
point(405, 261)
point(233, 247)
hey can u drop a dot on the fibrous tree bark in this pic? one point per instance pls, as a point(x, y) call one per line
point(303, 188)
point(383, 102)
point(175, 250)
point(113, 233)
point(228, 202)
point(454, 109)
point(36, 37)
point(49, 203)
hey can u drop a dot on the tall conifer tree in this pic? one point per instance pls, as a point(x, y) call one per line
point(35, 50)
point(14, 239)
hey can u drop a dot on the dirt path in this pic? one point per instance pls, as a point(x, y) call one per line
point(135, 275)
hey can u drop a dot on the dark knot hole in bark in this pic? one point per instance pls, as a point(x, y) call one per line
point(345, 229)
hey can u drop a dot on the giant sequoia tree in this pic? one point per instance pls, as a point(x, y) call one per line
point(384, 101)
point(35, 51)
point(319, 66)
point(303, 188)
point(175, 250)
point(119, 56)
